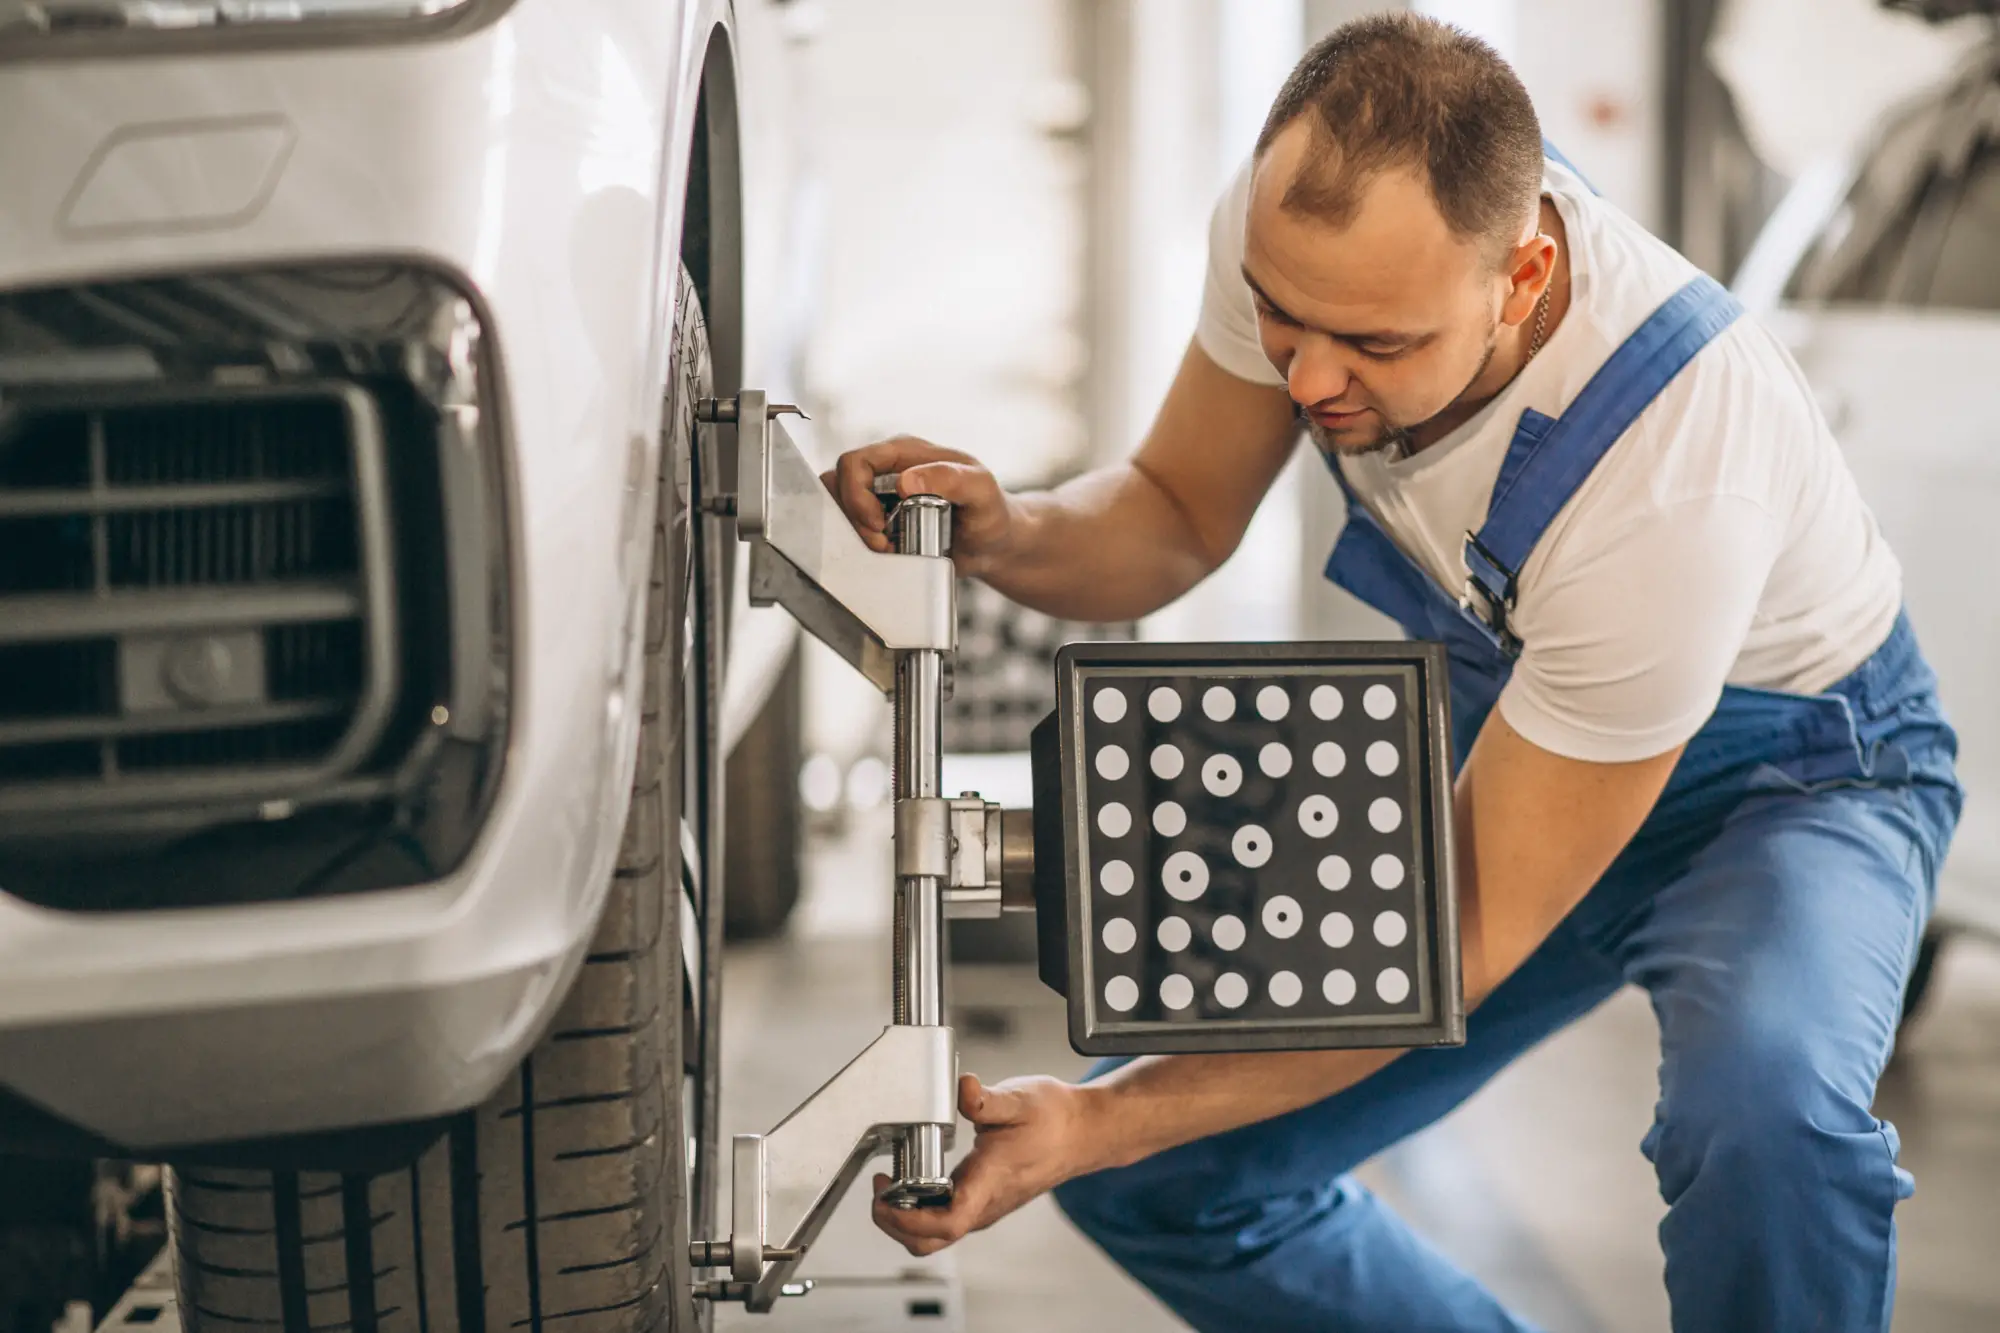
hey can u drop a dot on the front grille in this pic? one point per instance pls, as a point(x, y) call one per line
point(194, 594)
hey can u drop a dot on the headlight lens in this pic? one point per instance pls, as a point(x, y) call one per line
point(82, 19)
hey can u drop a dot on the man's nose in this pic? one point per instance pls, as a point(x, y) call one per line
point(1318, 372)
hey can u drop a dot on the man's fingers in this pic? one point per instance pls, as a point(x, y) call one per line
point(960, 483)
point(922, 1231)
point(986, 1107)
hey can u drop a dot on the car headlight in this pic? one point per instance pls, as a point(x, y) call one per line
point(35, 25)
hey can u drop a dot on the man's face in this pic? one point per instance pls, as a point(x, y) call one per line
point(1379, 326)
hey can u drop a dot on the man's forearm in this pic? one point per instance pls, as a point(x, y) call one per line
point(1160, 1102)
point(1109, 545)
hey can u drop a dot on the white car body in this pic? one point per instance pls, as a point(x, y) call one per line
point(1906, 378)
point(541, 157)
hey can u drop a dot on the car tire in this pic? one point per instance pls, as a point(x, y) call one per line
point(566, 1200)
point(766, 826)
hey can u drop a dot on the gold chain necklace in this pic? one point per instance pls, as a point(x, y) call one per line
point(1541, 321)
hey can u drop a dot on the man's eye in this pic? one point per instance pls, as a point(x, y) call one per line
point(1382, 353)
point(1267, 311)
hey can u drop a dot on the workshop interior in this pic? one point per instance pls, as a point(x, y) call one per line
point(486, 841)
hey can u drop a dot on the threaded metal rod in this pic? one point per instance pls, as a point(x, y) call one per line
point(922, 527)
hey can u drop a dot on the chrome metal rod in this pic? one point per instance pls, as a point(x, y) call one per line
point(922, 527)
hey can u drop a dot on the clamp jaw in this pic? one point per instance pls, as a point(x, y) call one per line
point(805, 556)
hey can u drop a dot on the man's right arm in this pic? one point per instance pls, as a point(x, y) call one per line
point(1116, 543)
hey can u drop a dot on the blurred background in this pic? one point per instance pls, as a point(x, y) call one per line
point(998, 238)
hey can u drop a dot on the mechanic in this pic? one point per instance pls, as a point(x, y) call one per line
point(1700, 751)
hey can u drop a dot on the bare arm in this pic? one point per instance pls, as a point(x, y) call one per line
point(1537, 831)
point(1119, 542)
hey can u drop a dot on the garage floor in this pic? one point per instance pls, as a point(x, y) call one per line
point(1537, 1186)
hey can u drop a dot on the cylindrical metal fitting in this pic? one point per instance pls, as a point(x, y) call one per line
point(1017, 860)
point(922, 526)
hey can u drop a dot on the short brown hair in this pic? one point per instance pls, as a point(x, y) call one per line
point(1396, 90)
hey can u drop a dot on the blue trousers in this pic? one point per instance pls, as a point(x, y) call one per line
point(1775, 942)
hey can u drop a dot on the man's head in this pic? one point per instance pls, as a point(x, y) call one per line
point(1393, 225)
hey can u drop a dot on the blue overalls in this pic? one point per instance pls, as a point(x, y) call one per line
point(1770, 905)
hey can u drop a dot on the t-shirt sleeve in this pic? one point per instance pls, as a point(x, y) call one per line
point(1633, 628)
point(1227, 330)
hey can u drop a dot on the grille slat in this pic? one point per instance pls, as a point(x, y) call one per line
point(51, 730)
point(182, 586)
point(44, 619)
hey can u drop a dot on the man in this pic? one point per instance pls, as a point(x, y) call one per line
point(1700, 751)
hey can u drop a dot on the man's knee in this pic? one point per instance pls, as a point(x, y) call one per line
point(1763, 1101)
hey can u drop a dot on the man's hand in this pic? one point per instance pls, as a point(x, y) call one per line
point(985, 517)
point(1033, 1134)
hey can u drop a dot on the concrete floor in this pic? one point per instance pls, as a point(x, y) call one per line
point(1536, 1186)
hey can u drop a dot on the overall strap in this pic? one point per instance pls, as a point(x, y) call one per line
point(1550, 460)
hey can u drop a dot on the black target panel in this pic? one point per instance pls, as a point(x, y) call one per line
point(1257, 847)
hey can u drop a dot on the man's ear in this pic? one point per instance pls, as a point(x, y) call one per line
point(1530, 269)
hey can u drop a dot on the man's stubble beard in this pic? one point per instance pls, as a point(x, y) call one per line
point(1394, 440)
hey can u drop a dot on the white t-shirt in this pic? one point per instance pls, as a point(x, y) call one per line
point(1722, 540)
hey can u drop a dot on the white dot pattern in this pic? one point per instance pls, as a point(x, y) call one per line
point(1275, 760)
point(1282, 917)
point(1222, 775)
point(1318, 816)
point(1251, 846)
point(1185, 875)
point(1264, 750)
point(1329, 760)
point(1383, 759)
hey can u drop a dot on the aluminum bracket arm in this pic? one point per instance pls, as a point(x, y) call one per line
point(806, 557)
point(787, 1183)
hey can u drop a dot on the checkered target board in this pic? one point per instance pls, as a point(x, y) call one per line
point(1257, 847)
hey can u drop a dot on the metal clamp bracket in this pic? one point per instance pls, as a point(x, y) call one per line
point(787, 1183)
point(984, 855)
point(806, 557)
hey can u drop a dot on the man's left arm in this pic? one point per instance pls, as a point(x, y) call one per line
point(1537, 830)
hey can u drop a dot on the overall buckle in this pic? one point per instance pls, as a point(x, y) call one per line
point(1488, 600)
